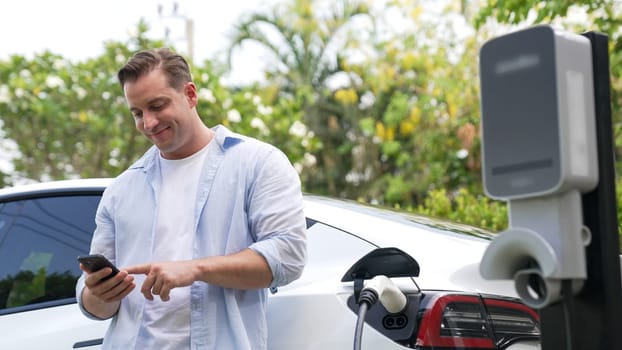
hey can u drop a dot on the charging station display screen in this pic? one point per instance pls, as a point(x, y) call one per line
point(520, 140)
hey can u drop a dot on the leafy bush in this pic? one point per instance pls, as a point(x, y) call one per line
point(466, 207)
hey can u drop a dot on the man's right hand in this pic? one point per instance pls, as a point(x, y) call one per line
point(102, 298)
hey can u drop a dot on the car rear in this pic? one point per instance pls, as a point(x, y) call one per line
point(450, 305)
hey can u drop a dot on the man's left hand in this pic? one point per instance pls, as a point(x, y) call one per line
point(164, 276)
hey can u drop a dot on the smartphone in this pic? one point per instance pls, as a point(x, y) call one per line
point(96, 262)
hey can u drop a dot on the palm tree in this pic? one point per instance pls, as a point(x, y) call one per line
point(307, 45)
point(304, 41)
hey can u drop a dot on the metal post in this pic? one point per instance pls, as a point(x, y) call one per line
point(188, 36)
point(591, 320)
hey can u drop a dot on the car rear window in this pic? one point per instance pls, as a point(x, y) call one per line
point(40, 239)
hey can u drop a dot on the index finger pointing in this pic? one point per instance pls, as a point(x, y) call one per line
point(138, 269)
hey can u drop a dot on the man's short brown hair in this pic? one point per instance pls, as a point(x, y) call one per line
point(172, 64)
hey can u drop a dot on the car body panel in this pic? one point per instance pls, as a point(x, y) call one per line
point(58, 327)
point(399, 229)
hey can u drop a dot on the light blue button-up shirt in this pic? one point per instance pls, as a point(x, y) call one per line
point(249, 197)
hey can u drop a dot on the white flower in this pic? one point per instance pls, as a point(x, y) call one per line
point(207, 95)
point(461, 154)
point(106, 95)
point(298, 167)
point(81, 92)
point(234, 116)
point(53, 82)
point(25, 73)
point(298, 129)
point(309, 160)
point(264, 110)
point(120, 59)
point(58, 64)
point(367, 100)
point(258, 124)
point(5, 95)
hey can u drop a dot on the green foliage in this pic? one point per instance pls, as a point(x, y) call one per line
point(69, 119)
point(246, 111)
point(421, 132)
point(363, 112)
point(517, 11)
point(28, 287)
point(467, 208)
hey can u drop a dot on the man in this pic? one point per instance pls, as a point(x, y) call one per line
point(204, 222)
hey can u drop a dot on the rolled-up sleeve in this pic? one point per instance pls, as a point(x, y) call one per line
point(276, 218)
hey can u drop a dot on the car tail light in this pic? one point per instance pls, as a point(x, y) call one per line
point(512, 321)
point(458, 321)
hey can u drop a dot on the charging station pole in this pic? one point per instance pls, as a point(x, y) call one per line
point(591, 319)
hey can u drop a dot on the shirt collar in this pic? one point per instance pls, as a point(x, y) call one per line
point(224, 137)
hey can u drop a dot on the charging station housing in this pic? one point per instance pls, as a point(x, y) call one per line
point(537, 108)
point(539, 153)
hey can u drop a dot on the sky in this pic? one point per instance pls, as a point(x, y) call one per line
point(77, 29)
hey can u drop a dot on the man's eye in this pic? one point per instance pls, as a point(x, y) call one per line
point(137, 114)
point(157, 107)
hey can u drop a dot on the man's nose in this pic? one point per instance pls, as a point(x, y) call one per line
point(150, 120)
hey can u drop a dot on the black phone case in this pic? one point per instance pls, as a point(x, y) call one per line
point(97, 262)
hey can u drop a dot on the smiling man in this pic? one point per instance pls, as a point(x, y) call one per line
point(203, 223)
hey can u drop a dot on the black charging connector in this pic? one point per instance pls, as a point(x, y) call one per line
point(366, 300)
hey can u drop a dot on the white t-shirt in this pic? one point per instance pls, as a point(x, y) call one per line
point(173, 241)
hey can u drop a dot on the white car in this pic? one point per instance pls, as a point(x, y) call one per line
point(433, 264)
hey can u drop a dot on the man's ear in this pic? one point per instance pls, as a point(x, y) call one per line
point(190, 90)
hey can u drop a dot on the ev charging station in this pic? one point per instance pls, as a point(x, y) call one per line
point(547, 150)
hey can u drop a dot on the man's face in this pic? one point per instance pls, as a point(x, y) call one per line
point(164, 115)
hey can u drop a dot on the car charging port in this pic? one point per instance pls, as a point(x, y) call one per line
point(399, 327)
point(395, 321)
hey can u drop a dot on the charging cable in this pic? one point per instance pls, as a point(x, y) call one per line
point(391, 297)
